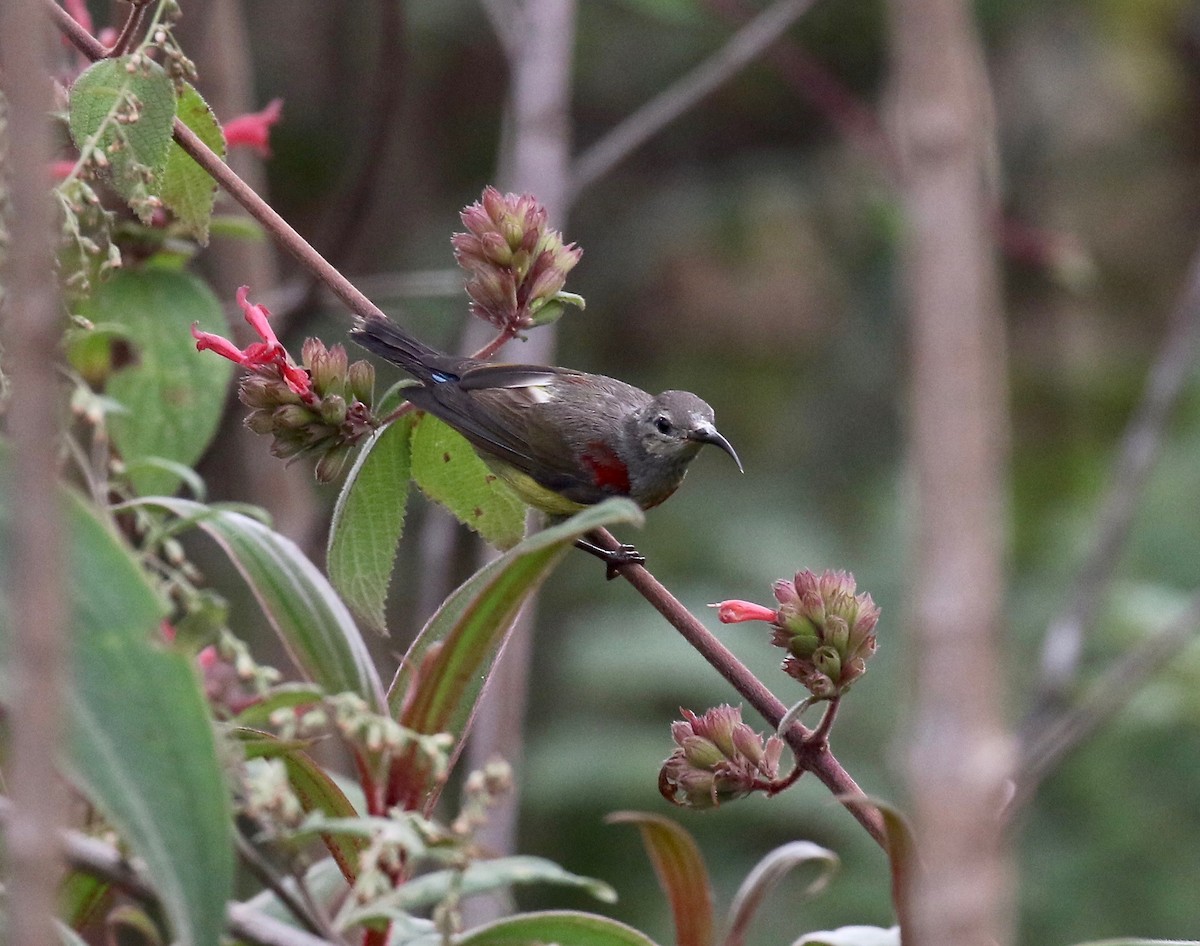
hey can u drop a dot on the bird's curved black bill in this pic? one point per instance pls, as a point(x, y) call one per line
point(717, 439)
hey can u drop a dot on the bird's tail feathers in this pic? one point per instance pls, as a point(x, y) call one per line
point(387, 340)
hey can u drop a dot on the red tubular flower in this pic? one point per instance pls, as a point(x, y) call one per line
point(253, 130)
point(265, 354)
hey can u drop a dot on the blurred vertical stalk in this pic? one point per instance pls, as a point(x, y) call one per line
point(539, 41)
point(36, 645)
point(960, 752)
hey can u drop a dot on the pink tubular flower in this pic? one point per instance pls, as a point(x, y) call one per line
point(262, 355)
point(253, 130)
point(735, 612)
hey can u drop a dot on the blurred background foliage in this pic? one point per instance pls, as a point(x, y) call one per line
point(748, 252)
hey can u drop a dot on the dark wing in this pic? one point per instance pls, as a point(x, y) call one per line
point(540, 420)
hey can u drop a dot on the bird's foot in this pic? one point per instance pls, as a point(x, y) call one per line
point(614, 559)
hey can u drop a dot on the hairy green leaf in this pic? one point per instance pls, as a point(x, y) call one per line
point(368, 521)
point(449, 472)
point(124, 108)
point(187, 189)
point(173, 394)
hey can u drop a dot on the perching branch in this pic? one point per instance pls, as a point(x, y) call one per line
point(742, 48)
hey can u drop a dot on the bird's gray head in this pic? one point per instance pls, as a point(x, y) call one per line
point(676, 424)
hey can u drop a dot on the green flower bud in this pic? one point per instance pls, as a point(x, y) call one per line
point(332, 410)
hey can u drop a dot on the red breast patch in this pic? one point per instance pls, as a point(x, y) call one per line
point(608, 472)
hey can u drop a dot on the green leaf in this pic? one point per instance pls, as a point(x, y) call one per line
point(136, 151)
point(852, 936)
point(301, 605)
point(141, 744)
point(559, 926)
point(283, 696)
point(368, 521)
point(237, 228)
point(449, 472)
point(187, 189)
point(80, 896)
point(443, 673)
point(681, 874)
point(430, 889)
point(173, 394)
point(766, 875)
point(901, 849)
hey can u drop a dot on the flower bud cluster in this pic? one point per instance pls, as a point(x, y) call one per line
point(322, 406)
point(719, 758)
point(827, 629)
point(516, 265)
point(329, 419)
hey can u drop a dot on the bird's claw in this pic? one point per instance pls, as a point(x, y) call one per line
point(618, 558)
point(614, 559)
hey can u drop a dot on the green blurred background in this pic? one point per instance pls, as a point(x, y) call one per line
point(749, 253)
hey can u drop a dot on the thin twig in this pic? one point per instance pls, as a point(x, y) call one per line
point(742, 48)
point(121, 46)
point(810, 756)
point(1140, 447)
point(1104, 698)
point(258, 866)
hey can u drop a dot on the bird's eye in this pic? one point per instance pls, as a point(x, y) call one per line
point(662, 425)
